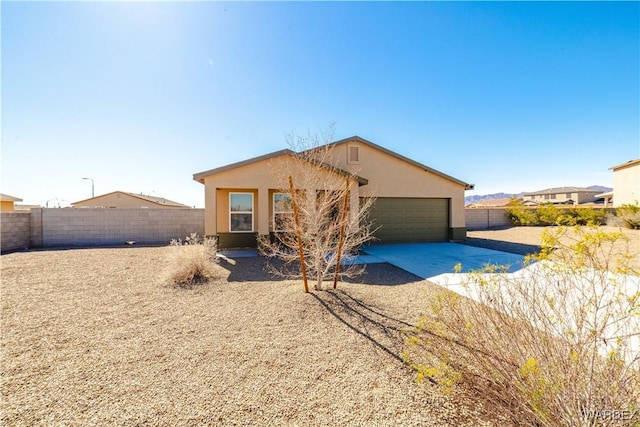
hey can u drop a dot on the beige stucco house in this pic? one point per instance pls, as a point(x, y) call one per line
point(626, 183)
point(122, 199)
point(7, 203)
point(561, 196)
point(413, 202)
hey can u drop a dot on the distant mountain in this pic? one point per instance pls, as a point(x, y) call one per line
point(600, 188)
point(477, 198)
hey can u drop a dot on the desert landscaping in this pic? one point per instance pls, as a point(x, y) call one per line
point(100, 337)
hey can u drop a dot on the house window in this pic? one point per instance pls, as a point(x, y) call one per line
point(353, 154)
point(282, 211)
point(241, 212)
point(547, 196)
point(568, 195)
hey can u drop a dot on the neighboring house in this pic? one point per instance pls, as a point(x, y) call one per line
point(626, 183)
point(413, 202)
point(561, 196)
point(7, 203)
point(491, 203)
point(122, 199)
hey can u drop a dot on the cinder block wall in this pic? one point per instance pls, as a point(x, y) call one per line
point(15, 231)
point(483, 218)
point(69, 227)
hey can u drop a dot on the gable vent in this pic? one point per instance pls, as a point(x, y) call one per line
point(354, 155)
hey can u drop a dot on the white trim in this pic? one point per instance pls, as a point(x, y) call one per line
point(242, 212)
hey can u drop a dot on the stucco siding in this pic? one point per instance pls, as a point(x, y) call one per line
point(390, 176)
point(626, 185)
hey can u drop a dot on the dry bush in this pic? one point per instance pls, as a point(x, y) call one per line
point(319, 222)
point(627, 216)
point(555, 344)
point(193, 261)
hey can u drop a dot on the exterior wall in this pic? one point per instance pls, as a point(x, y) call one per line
point(6, 206)
point(626, 185)
point(15, 231)
point(262, 179)
point(390, 176)
point(121, 200)
point(484, 218)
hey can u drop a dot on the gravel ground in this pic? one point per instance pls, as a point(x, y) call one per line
point(526, 240)
point(98, 337)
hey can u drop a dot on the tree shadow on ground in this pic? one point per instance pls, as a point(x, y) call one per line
point(262, 269)
point(500, 245)
point(387, 333)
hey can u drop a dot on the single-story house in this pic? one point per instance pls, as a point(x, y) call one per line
point(7, 203)
point(413, 202)
point(561, 196)
point(626, 183)
point(122, 199)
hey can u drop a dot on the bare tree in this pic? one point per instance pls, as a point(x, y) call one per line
point(318, 220)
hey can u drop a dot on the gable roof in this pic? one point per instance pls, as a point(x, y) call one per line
point(8, 198)
point(424, 167)
point(626, 165)
point(286, 152)
point(558, 190)
point(362, 181)
point(152, 199)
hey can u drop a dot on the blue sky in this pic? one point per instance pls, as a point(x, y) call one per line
point(510, 96)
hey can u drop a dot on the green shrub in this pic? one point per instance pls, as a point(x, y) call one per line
point(589, 216)
point(547, 215)
point(521, 215)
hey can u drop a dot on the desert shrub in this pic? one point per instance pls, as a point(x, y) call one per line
point(557, 343)
point(628, 216)
point(589, 216)
point(547, 214)
point(521, 215)
point(193, 261)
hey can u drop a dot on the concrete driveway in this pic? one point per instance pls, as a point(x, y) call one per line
point(428, 260)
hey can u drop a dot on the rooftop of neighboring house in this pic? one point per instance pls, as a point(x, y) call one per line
point(559, 190)
point(626, 165)
point(7, 198)
point(152, 199)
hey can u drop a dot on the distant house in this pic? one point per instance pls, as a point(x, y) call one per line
point(122, 199)
point(561, 196)
point(413, 202)
point(490, 203)
point(7, 203)
point(626, 183)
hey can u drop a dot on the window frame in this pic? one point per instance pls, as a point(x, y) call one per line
point(231, 213)
point(273, 216)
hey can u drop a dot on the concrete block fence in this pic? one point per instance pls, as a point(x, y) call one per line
point(15, 231)
point(94, 227)
point(484, 218)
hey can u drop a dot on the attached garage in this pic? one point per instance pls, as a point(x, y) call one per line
point(401, 219)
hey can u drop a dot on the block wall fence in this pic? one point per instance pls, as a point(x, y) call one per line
point(42, 227)
point(484, 218)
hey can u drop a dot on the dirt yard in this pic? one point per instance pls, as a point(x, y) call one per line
point(98, 337)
